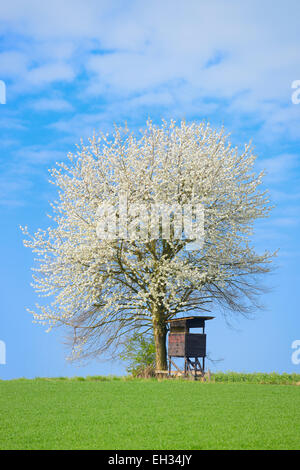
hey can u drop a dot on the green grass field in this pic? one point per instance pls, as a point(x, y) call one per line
point(147, 414)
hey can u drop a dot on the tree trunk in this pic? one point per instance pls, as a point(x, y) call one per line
point(160, 334)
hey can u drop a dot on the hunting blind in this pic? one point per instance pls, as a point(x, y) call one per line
point(190, 346)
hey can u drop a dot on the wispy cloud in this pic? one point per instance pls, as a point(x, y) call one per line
point(10, 122)
point(51, 104)
point(36, 155)
point(215, 50)
point(279, 168)
point(102, 63)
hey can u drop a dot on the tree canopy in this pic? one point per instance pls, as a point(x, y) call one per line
point(102, 289)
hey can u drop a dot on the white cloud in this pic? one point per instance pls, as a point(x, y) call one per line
point(39, 155)
point(13, 64)
point(10, 122)
point(49, 73)
point(73, 18)
point(279, 168)
point(13, 189)
point(289, 196)
point(51, 104)
point(285, 222)
point(242, 57)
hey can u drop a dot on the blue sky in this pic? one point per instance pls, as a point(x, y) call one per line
point(73, 67)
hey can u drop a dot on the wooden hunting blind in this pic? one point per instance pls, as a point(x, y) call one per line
point(188, 345)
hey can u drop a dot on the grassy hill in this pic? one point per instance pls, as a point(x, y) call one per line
point(147, 414)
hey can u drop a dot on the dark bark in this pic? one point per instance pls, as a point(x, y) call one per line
point(160, 335)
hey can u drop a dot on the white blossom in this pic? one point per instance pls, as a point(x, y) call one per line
point(103, 289)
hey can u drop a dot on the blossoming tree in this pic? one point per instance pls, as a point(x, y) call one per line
point(102, 289)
